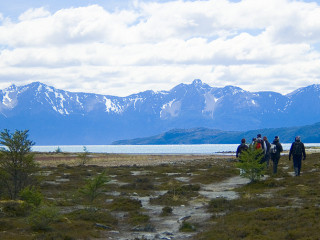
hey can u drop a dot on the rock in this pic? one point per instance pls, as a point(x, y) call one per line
point(168, 233)
point(184, 218)
point(146, 228)
point(102, 226)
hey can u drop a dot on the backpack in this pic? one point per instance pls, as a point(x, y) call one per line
point(259, 144)
point(297, 148)
point(273, 148)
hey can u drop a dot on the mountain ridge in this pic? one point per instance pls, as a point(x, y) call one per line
point(55, 116)
point(308, 133)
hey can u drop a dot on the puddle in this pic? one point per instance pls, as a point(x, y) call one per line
point(62, 180)
point(139, 173)
point(44, 173)
point(51, 182)
point(183, 179)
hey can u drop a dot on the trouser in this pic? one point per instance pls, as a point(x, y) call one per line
point(275, 164)
point(297, 164)
point(267, 159)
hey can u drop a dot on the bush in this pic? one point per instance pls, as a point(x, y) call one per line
point(136, 218)
point(43, 217)
point(250, 164)
point(14, 208)
point(92, 189)
point(83, 157)
point(125, 204)
point(92, 215)
point(166, 211)
point(31, 195)
point(17, 165)
point(187, 227)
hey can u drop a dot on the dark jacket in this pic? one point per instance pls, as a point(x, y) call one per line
point(241, 147)
point(279, 149)
point(297, 144)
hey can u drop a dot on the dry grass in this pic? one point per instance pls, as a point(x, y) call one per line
point(110, 160)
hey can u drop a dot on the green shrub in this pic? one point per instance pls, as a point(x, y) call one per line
point(187, 227)
point(31, 195)
point(250, 164)
point(83, 157)
point(93, 187)
point(93, 215)
point(43, 217)
point(166, 211)
point(136, 218)
point(177, 195)
point(219, 205)
point(125, 204)
point(14, 208)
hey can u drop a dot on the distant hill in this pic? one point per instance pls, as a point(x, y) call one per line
point(309, 134)
point(56, 116)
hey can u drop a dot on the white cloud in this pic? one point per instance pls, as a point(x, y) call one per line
point(158, 45)
point(34, 14)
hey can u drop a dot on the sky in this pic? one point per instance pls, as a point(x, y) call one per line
point(118, 48)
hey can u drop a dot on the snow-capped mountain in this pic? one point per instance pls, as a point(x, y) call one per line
point(55, 116)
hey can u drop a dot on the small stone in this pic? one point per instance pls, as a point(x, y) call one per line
point(102, 226)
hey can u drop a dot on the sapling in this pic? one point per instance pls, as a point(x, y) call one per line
point(250, 164)
point(93, 187)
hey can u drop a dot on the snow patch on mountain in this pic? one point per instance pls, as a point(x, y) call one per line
point(111, 106)
point(9, 98)
point(211, 103)
point(170, 109)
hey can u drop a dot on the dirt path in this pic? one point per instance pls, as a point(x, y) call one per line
point(195, 212)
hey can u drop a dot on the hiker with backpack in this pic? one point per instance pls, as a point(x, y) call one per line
point(267, 155)
point(297, 150)
point(242, 147)
point(260, 144)
point(275, 150)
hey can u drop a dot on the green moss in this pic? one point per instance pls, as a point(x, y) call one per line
point(137, 218)
point(177, 195)
point(166, 211)
point(187, 227)
point(125, 204)
point(94, 216)
point(15, 208)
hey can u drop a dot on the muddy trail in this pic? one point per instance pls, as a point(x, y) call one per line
point(195, 212)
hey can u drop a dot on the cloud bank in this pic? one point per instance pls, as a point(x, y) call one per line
point(254, 44)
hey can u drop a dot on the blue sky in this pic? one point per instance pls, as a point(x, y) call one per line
point(124, 47)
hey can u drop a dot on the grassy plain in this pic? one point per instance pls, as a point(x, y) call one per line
point(279, 207)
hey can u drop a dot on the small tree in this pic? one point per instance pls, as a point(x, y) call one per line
point(17, 164)
point(84, 157)
point(249, 162)
point(92, 189)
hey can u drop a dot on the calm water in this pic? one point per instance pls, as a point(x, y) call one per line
point(154, 149)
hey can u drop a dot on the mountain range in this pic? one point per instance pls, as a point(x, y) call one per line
point(58, 117)
point(309, 134)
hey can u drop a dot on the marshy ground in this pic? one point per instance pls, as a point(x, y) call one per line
point(170, 197)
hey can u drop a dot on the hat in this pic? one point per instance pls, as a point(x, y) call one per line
point(259, 135)
point(243, 140)
point(297, 138)
point(276, 137)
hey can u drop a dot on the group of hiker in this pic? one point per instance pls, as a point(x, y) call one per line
point(271, 151)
